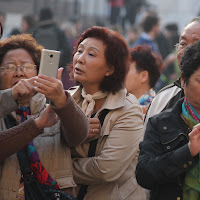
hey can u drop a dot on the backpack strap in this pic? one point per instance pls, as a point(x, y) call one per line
point(91, 153)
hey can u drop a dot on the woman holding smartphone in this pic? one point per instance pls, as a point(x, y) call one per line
point(19, 60)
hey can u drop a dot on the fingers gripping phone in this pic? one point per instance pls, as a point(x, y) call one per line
point(49, 62)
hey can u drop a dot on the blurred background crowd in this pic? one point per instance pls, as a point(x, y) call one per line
point(68, 18)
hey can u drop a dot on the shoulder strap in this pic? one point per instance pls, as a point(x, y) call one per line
point(91, 153)
point(23, 162)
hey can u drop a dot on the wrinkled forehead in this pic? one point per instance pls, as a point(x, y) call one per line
point(191, 32)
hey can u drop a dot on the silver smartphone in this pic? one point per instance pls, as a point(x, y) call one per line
point(49, 62)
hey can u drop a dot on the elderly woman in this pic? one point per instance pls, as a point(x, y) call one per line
point(169, 159)
point(19, 60)
point(105, 164)
point(143, 74)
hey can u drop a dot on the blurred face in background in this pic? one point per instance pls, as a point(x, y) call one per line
point(133, 79)
point(24, 26)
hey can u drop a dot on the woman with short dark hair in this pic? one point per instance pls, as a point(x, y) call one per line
point(144, 72)
point(100, 64)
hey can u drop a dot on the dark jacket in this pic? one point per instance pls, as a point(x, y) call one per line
point(48, 34)
point(164, 155)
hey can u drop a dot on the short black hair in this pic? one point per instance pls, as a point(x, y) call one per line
point(149, 22)
point(190, 61)
point(173, 27)
point(147, 60)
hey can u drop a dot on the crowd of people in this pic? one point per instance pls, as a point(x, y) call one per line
point(109, 136)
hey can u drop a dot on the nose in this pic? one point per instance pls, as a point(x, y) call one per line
point(81, 58)
point(19, 72)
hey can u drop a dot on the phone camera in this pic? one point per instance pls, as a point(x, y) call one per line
point(51, 56)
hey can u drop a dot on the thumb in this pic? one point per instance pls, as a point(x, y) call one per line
point(59, 75)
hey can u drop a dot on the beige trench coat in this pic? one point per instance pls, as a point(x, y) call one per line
point(111, 173)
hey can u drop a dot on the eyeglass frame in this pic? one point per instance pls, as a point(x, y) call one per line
point(177, 46)
point(17, 67)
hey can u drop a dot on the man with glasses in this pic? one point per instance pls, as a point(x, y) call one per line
point(169, 95)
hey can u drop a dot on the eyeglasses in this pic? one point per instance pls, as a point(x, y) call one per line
point(177, 46)
point(11, 68)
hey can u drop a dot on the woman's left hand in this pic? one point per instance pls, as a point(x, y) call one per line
point(52, 88)
point(47, 119)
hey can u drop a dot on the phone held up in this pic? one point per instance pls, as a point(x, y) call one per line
point(49, 62)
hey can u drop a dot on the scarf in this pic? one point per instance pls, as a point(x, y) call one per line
point(89, 101)
point(36, 167)
point(191, 187)
point(146, 99)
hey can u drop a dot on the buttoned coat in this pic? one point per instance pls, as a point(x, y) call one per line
point(110, 174)
point(164, 155)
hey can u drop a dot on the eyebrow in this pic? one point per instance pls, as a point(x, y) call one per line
point(92, 47)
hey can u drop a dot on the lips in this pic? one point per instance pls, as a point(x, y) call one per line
point(78, 70)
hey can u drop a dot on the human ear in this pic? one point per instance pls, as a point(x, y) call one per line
point(110, 71)
point(145, 76)
point(182, 82)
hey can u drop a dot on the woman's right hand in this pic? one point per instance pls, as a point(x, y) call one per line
point(47, 119)
point(194, 140)
point(23, 91)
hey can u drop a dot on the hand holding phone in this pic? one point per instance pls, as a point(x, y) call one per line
point(49, 62)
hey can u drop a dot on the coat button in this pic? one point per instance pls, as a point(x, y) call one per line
point(185, 166)
point(165, 128)
point(190, 162)
point(168, 147)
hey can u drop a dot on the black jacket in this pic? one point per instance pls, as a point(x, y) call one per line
point(164, 155)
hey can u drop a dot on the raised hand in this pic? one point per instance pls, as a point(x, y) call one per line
point(194, 140)
point(47, 119)
point(52, 88)
point(24, 90)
